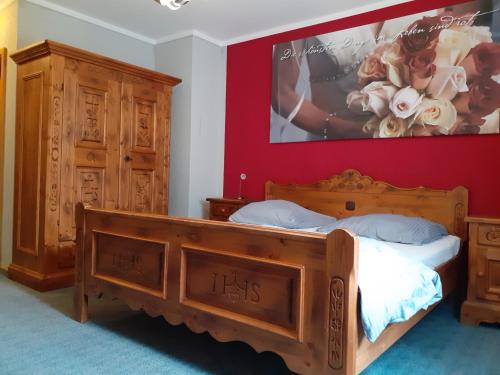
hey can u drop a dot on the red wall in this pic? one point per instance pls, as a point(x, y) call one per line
point(443, 162)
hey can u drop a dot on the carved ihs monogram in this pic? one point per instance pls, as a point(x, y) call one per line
point(90, 189)
point(91, 129)
point(128, 262)
point(235, 290)
point(144, 126)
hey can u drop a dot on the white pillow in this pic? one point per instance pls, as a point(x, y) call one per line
point(391, 228)
point(280, 213)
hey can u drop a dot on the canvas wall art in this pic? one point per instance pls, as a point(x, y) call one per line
point(427, 74)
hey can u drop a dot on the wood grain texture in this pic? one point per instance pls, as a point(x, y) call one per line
point(292, 293)
point(49, 47)
point(3, 82)
point(92, 130)
point(483, 291)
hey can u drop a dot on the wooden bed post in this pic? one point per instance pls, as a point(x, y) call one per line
point(80, 298)
point(342, 324)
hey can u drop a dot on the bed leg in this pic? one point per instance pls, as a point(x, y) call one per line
point(342, 330)
point(81, 301)
point(81, 307)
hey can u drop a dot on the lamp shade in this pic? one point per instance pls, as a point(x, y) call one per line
point(172, 4)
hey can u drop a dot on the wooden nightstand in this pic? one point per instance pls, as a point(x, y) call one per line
point(483, 291)
point(222, 208)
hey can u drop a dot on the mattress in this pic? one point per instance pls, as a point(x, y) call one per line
point(433, 254)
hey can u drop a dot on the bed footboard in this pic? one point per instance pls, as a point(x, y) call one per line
point(292, 294)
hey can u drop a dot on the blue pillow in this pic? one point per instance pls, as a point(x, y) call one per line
point(280, 213)
point(391, 228)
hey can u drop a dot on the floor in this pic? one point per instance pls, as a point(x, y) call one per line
point(38, 337)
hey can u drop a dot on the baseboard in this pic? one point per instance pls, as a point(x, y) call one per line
point(3, 269)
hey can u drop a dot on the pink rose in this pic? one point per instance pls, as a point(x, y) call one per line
point(482, 99)
point(447, 82)
point(422, 68)
point(372, 69)
point(374, 98)
point(421, 34)
point(483, 60)
point(405, 102)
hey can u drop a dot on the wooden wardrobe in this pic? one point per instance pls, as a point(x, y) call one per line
point(90, 129)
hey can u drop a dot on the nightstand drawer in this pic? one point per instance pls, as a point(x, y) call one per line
point(224, 209)
point(488, 235)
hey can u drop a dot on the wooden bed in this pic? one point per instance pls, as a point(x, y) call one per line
point(294, 294)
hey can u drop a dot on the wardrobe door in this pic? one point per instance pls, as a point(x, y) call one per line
point(144, 147)
point(90, 142)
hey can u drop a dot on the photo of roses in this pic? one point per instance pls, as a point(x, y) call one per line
point(435, 73)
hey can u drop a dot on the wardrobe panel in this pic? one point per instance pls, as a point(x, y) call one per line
point(90, 145)
point(144, 148)
point(30, 137)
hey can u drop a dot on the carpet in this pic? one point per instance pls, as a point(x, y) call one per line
point(38, 337)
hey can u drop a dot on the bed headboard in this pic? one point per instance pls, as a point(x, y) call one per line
point(352, 194)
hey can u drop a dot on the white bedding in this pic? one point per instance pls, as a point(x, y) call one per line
point(405, 274)
point(432, 254)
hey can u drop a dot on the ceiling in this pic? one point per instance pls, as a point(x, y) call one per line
point(221, 21)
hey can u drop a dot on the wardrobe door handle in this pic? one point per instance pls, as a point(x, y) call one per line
point(127, 158)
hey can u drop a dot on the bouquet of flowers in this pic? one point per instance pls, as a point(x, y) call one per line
point(439, 76)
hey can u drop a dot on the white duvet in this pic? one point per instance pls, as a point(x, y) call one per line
point(393, 287)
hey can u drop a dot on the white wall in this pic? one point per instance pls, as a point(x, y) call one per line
point(198, 122)
point(175, 58)
point(37, 23)
point(8, 39)
point(208, 118)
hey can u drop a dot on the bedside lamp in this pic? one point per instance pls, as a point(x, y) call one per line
point(243, 177)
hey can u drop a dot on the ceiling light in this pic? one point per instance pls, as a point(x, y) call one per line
point(173, 4)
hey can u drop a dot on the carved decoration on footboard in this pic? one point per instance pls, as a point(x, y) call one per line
point(263, 293)
point(336, 323)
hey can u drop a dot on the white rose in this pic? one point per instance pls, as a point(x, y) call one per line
point(372, 126)
point(393, 59)
point(405, 102)
point(355, 102)
point(447, 82)
point(374, 98)
point(437, 112)
point(392, 126)
point(477, 34)
point(452, 47)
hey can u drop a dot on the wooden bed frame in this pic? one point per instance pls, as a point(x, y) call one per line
point(294, 294)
